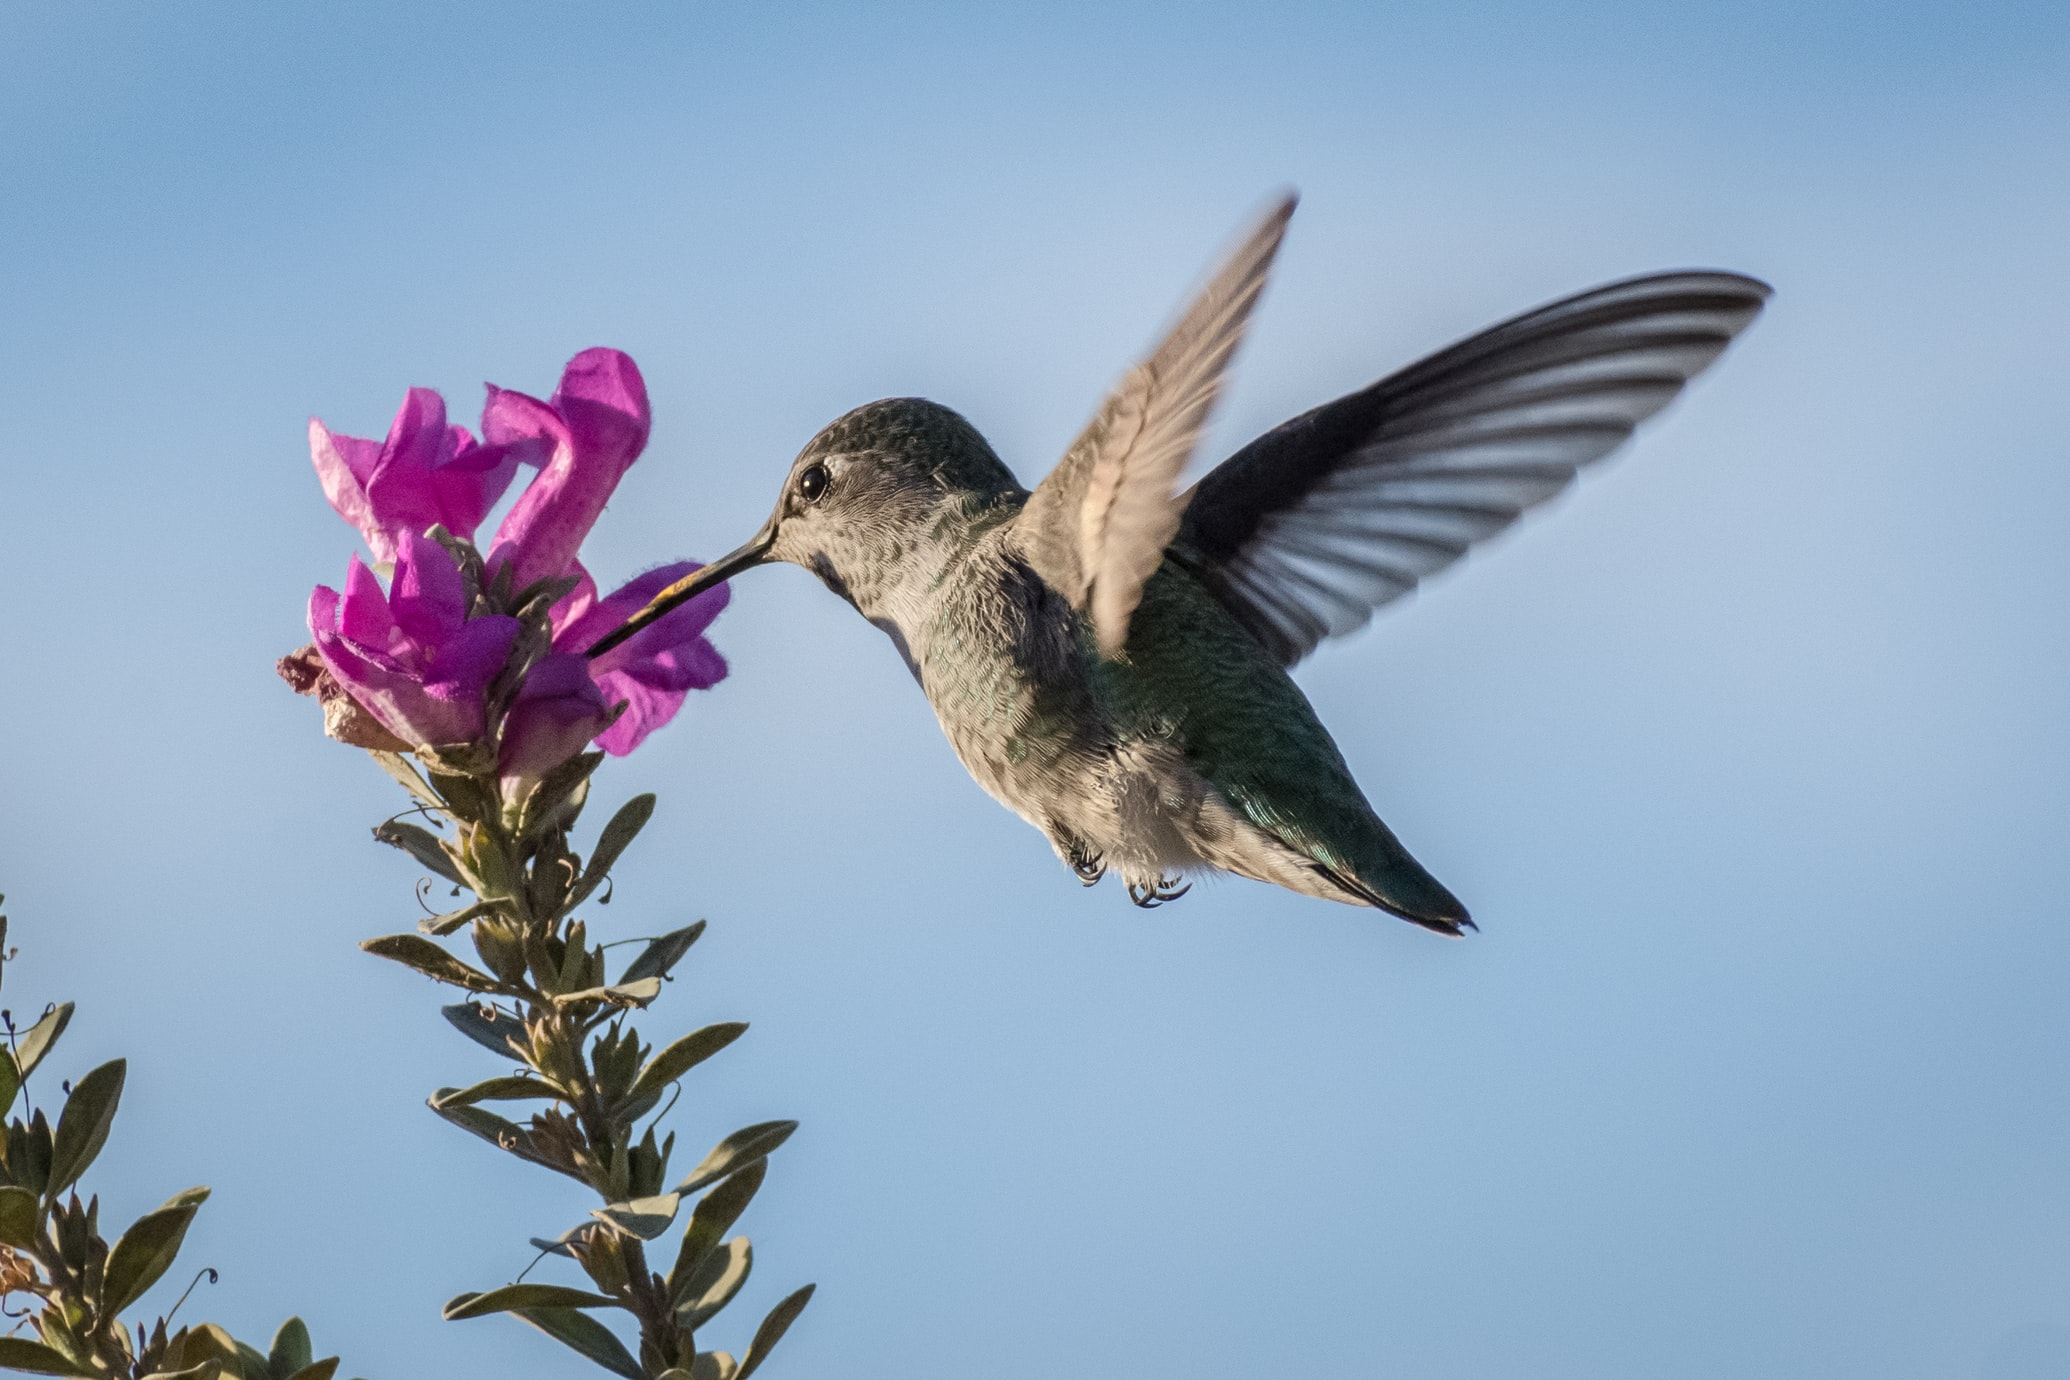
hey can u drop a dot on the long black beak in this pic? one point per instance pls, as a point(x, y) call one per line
point(689, 587)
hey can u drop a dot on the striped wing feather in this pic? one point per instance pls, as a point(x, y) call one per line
point(1097, 527)
point(1308, 529)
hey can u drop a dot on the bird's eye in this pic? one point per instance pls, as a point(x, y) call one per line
point(812, 483)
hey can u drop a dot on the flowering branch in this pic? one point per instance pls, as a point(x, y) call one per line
point(53, 1255)
point(465, 679)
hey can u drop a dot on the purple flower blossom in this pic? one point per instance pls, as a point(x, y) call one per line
point(655, 669)
point(425, 472)
point(414, 659)
point(591, 432)
point(412, 656)
point(558, 710)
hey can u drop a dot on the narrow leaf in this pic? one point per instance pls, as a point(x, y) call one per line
point(442, 925)
point(415, 951)
point(559, 796)
point(317, 1370)
point(714, 1216)
point(632, 816)
point(486, 1026)
point(21, 1213)
point(507, 1089)
point(402, 771)
point(291, 1350)
point(559, 1245)
point(738, 1150)
point(504, 1135)
point(83, 1126)
point(423, 845)
point(624, 994)
point(146, 1251)
point(586, 1335)
point(19, 1353)
point(772, 1329)
point(684, 1055)
point(663, 954)
point(10, 1076)
point(645, 1218)
point(715, 1283)
point(38, 1038)
point(512, 1297)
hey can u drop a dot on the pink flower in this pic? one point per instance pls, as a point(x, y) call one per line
point(653, 671)
point(590, 434)
point(412, 657)
point(416, 661)
point(558, 710)
point(425, 472)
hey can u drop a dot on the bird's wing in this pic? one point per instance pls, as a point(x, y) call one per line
point(1309, 528)
point(1096, 527)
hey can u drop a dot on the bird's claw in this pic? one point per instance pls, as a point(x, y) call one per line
point(1151, 895)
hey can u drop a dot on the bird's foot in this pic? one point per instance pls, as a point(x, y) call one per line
point(1151, 895)
point(1079, 857)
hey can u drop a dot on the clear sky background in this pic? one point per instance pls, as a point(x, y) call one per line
point(1751, 755)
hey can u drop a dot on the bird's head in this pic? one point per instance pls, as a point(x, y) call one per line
point(876, 491)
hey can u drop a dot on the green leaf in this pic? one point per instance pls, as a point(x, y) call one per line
point(663, 954)
point(83, 1126)
point(714, 1216)
point(645, 1218)
point(317, 1370)
point(632, 816)
point(737, 1151)
point(586, 1335)
point(772, 1329)
point(711, 1365)
point(442, 925)
point(486, 1026)
point(291, 1350)
point(684, 1055)
point(147, 1250)
point(559, 796)
point(19, 1353)
point(625, 994)
point(402, 771)
point(423, 845)
point(715, 1283)
point(559, 1245)
point(250, 1363)
point(10, 1077)
point(512, 1297)
point(36, 1041)
point(507, 1089)
point(504, 1135)
point(21, 1215)
point(415, 951)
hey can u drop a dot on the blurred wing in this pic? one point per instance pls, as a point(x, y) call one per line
point(1096, 528)
point(1309, 528)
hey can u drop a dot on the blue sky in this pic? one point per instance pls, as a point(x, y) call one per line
point(1750, 755)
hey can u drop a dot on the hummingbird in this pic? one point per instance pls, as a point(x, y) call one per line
point(1108, 654)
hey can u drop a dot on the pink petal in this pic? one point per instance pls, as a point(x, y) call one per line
point(363, 615)
point(558, 711)
point(470, 657)
point(429, 599)
point(342, 465)
point(677, 626)
point(401, 490)
point(597, 426)
point(470, 480)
